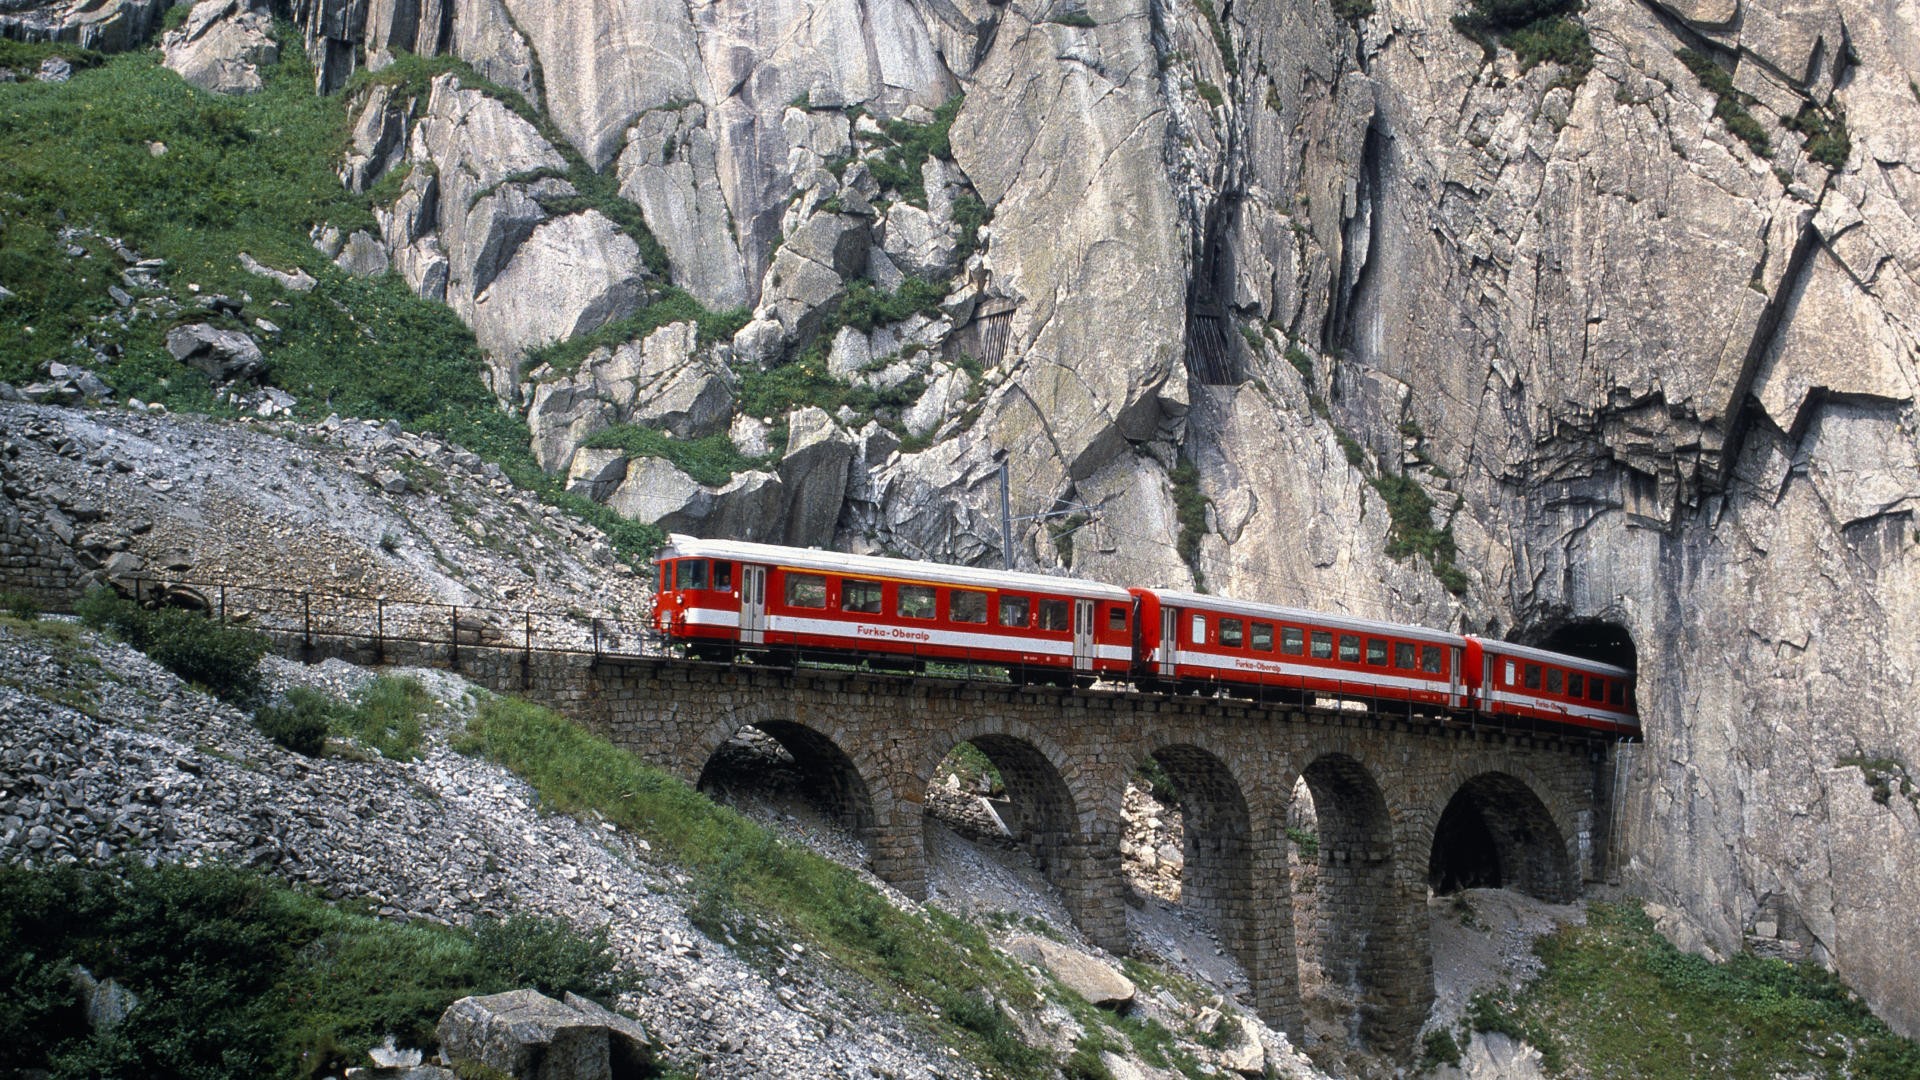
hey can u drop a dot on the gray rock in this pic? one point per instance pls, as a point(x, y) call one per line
point(54, 70)
point(106, 25)
point(657, 493)
point(666, 381)
point(917, 244)
point(107, 1004)
point(221, 47)
point(298, 280)
point(1090, 977)
point(670, 170)
point(596, 473)
point(749, 436)
point(630, 1050)
point(526, 1035)
point(814, 471)
point(378, 142)
point(752, 506)
point(363, 255)
point(225, 355)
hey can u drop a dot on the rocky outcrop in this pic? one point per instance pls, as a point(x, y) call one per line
point(529, 1036)
point(107, 25)
point(221, 46)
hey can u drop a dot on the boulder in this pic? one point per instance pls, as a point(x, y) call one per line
point(221, 47)
point(656, 493)
point(595, 473)
point(296, 280)
point(917, 244)
point(225, 355)
point(814, 471)
point(1090, 977)
point(564, 413)
point(752, 506)
point(572, 275)
point(526, 1035)
point(944, 396)
point(363, 255)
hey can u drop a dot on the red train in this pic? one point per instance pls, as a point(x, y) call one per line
point(717, 596)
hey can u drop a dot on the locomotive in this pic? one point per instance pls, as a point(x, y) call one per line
point(718, 597)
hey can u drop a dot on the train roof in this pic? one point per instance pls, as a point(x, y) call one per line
point(679, 546)
point(1303, 616)
point(1508, 648)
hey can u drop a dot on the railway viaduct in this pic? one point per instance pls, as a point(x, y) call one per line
point(1535, 802)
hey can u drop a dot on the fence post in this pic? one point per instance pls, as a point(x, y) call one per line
point(223, 603)
point(380, 630)
point(306, 625)
point(526, 656)
point(453, 641)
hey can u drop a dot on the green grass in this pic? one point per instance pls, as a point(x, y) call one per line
point(242, 976)
point(1190, 508)
point(930, 963)
point(224, 659)
point(1621, 1001)
point(910, 145)
point(252, 174)
point(711, 459)
point(674, 305)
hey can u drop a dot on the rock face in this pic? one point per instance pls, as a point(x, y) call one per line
point(221, 46)
point(1090, 977)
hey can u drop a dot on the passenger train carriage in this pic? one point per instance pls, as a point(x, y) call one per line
point(717, 596)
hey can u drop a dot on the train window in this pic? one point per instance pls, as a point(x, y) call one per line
point(860, 596)
point(1433, 658)
point(1199, 629)
point(1405, 655)
point(969, 607)
point(1617, 692)
point(1116, 617)
point(693, 573)
point(1263, 636)
point(1596, 689)
point(1509, 673)
point(1577, 685)
point(1292, 641)
point(1350, 648)
point(1555, 680)
point(806, 590)
point(1322, 645)
point(1014, 610)
point(916, 602)
point(1053, 614)
point(1232, 633)
point(1533, 677)
point(722, 576)
point(1377, 652)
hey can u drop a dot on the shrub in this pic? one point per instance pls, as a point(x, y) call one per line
point(711, 459)
point(1438, 1048)
point(224, 659)
point(21, 605)
point(301, 725)
point(1536, 30)
point(547, 955)
point(386, 716)
point(899, 168)
point(238, 975)
point(1827, 139)
point(1190, 508)
point(1730, 105)
point(1353, 10)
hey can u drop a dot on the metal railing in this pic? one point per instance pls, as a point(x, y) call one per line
point(312, 616)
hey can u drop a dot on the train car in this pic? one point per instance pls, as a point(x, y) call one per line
point(1516, 681)
point(718, 595)
point(1189, 640)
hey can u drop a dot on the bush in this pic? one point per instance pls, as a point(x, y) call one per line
point(547, 955)
point(21, 605)
point(301, 725)
point(1438, 1048)
point(711, 459)
point(1536, 30)
point(241, 976)
point(1730, 105)
point(224, 659)
point(1190, 508)
point(900, 167)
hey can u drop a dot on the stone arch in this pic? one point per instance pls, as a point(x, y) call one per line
point(1217, 835)
point(1054, 810)
point(1358, 930)
point(1496, 831)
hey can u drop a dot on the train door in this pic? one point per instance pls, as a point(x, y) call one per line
point(1083, 647)
point(753, 604)
point(1456, 676)
point(1169, 641)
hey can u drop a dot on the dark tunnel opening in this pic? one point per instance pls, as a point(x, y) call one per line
point(1593, 639)
point(1464, 853)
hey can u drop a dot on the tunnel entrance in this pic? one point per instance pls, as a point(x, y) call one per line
point(1496, 834)
point(1595, 639)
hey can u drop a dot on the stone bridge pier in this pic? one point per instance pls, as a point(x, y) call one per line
point(1402, 804)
